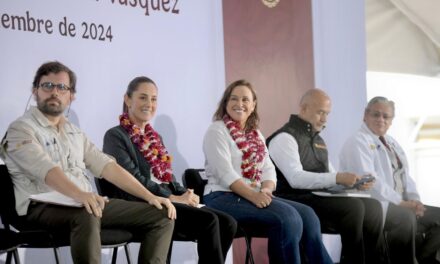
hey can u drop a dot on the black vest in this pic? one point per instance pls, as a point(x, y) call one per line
point(311, 147)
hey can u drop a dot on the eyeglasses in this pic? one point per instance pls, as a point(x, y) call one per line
point(49, 86)
point(377, 115)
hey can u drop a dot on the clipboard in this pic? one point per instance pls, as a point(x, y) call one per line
point(56, 198)
point(358, 194)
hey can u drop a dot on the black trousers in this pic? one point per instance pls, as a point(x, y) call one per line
point(213, 230)
point(412, 238)
point(357, 220)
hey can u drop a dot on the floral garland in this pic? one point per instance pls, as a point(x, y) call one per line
point(251, 146)
point(151, 147)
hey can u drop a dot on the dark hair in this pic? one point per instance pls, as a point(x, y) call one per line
point(54, 67)
point(253, 119)
point(133, 86)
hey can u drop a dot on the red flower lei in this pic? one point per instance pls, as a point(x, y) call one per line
point(251, 146)
point(151, 147)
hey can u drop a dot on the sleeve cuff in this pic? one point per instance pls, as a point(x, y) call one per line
point(97, 167)
point(44, 169)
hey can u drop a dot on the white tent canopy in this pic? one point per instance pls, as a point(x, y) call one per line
point(403, 36)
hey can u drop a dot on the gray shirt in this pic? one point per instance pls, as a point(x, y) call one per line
point(32, 147)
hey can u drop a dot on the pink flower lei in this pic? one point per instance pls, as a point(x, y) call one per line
point(252, 147)
point(151, 147)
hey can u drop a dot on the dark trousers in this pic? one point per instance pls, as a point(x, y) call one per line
point(150, 224)
point(213, 230)
point(357, 220)
point(410, 238)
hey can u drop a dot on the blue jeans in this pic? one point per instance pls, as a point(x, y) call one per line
point(287, 223)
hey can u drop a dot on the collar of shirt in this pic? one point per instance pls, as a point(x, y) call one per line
point(303, 125)
point(42, 119)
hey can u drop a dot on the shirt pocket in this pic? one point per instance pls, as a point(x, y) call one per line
point(75, 156)
point(51, 147)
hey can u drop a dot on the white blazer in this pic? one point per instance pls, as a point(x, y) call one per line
point(363, 153)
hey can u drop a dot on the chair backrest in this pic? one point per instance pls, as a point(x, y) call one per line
point(8, 213)
point(192, 178)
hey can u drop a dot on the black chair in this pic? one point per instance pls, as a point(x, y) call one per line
point(33, 237)
point(192, 178)
point(105, 188)
point(9, 242)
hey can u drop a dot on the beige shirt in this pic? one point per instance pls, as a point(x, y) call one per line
point(32, 147)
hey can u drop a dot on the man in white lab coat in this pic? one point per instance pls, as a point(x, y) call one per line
point(413, 229)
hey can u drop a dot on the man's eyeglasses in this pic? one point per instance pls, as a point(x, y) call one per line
point(49, 86)
point(377, 115)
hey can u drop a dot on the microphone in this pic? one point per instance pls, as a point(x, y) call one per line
point(27, 104)
point(68, 111)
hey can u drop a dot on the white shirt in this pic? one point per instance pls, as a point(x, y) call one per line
point(283, 150)
point(364, 153)
point(223, 160)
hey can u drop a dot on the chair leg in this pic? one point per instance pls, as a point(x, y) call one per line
point(115, 255)
point(57, 255)
point(249, 256)
point(8, 257)
point(127, 253)
point(16, 256)
point(169, 253)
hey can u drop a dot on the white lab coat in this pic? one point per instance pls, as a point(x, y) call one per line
point(363, 153)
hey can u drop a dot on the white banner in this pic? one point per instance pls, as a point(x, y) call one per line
point(177, 43)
